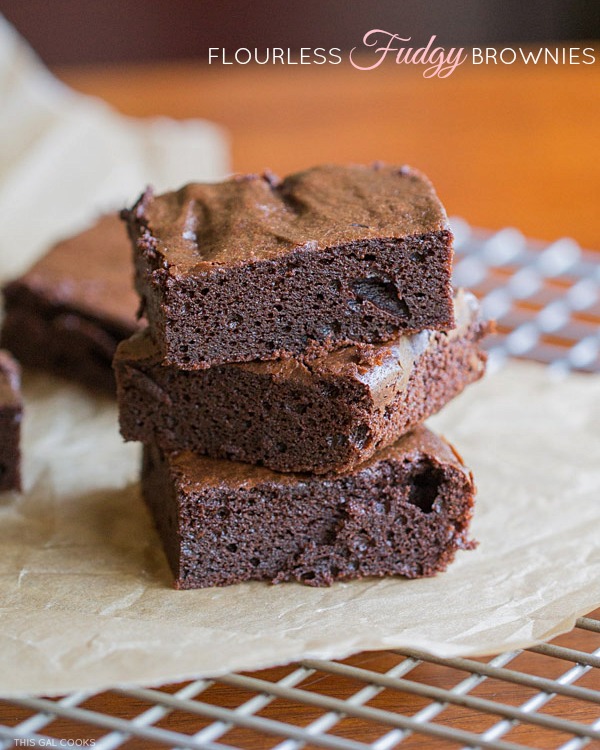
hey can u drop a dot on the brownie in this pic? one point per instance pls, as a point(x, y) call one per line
point(255, 268)
point(67, 314)
point(11, 412)
point(404, 512)
point(323, 416)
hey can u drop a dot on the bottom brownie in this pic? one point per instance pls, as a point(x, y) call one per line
point(404, 512)
point(11, 409)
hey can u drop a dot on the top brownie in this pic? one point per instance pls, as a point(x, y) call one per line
point(261, 268)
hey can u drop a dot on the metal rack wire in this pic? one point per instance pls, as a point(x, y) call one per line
point(546, 300)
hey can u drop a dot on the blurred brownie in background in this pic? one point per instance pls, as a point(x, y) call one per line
point(11, 411)
point(67, 314)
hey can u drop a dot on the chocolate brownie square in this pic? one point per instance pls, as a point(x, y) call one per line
point(327, 415)
point(11, 412)
point(67, 314)
point(405, 512)
point(255, 268)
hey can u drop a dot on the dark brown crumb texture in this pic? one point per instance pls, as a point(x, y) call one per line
point(68, 313)
point(327, 415)
point(11, 413)
point(258, 268)
point(404, 512)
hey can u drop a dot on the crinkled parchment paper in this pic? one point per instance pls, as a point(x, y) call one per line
point(85, 591)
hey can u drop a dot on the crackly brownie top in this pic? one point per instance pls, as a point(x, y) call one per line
point(253, 217)
point(90, 271)
point(10, 380)
point(384, 369)
point(193, 472)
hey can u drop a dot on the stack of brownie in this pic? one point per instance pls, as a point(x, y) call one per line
point(299, 333)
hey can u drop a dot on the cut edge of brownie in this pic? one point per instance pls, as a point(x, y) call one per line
point(405, 512)
point(11, 413)
point(315, 296)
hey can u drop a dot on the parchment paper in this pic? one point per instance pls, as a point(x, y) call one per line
point(85, 595)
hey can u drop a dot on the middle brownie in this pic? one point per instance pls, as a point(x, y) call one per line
point(322, 416)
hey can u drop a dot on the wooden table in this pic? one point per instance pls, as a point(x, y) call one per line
point(512, 146)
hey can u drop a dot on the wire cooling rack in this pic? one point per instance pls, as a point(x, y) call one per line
point(546, 299)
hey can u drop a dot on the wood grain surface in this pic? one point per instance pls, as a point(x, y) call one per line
point(512, 146)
